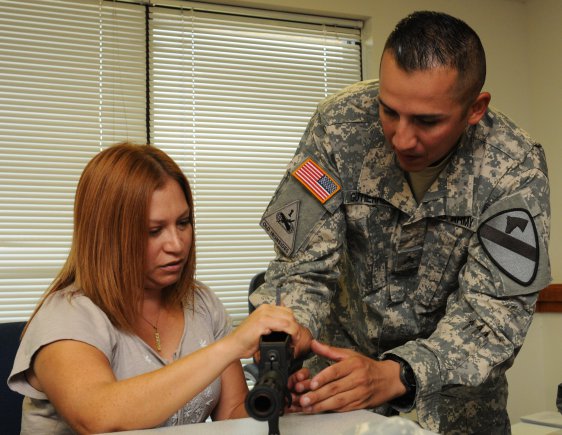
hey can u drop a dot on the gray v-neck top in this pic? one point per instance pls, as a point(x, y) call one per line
point(72, 316)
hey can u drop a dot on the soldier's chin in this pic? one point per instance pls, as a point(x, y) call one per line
point(411, 164)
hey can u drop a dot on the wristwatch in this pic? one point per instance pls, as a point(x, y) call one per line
point(406, 373)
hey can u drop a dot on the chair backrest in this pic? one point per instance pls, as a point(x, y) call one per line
point(257, 280)
point(10, 402)
point(251, 370)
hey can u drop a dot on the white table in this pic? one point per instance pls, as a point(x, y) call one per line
point(345, 423)
point(540, 423)
point(523, 428)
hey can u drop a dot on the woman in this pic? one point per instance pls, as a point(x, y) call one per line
point(125, 337)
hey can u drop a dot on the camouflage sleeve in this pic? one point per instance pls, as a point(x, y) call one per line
point(487, 318)
point(308, 230)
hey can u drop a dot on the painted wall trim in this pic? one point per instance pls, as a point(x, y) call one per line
point(550, 299)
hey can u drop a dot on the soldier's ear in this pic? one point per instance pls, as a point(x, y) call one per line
point(478, 108)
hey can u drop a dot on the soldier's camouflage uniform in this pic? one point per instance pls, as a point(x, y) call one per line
point(448, 285)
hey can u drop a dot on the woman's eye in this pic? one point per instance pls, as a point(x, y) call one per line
point(184, 223)
point(154, 232)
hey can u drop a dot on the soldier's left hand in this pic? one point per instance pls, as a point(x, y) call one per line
point(353, 382)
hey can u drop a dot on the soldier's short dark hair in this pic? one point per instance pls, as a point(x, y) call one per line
point(427, 39)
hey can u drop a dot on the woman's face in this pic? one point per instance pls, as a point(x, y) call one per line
point(170, 234)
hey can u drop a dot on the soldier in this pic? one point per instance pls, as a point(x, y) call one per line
point(418, 239)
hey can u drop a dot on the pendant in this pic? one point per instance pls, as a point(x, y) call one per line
point(157, 339)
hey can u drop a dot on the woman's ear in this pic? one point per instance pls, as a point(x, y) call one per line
point(478, 108)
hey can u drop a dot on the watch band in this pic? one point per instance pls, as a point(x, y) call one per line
point(407, 376)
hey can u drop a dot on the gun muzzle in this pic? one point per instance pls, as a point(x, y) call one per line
point(267, 399)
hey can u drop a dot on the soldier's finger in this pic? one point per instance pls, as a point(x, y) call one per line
point(335, 373)
point(330, 352)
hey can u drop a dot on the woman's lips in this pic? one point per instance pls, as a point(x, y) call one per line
point(174, 266)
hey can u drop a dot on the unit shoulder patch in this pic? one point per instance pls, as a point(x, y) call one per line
point(510, 240)
point(281, 225)
point(316, 180)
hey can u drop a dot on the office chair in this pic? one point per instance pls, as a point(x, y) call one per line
point(257, 280)
point(251, 371)
point(10, 402)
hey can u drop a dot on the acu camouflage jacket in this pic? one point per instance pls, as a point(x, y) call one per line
point(449, 284)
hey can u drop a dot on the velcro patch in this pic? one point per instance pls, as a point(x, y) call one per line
point(316, 180)
point(510, 239)
point(281, 225)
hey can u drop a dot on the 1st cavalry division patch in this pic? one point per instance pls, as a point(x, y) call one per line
point(511, 241)
point(316, 180)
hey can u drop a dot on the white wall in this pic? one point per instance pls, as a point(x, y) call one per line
point(545, 64)
point(523, 43)
point(538, 368)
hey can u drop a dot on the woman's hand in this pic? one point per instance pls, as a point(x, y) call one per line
point(265, 319)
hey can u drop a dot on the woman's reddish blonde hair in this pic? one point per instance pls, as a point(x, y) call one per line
point(107, 255)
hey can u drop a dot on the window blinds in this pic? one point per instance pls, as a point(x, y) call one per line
point(230, 95)
point(71, 82)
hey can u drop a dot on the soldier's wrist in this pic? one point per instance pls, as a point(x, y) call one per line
point(408, 379)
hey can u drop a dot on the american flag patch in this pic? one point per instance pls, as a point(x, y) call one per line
point(313, 177)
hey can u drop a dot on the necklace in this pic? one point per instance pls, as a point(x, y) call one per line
point(155, 330)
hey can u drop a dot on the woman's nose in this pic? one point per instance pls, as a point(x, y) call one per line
point(174, 241)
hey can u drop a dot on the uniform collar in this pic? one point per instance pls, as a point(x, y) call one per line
point(451, 194)
point(381, 177)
